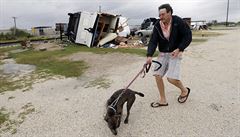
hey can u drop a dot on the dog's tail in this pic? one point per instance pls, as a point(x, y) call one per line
point(139, 93)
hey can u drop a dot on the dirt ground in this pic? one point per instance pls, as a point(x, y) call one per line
point(76, 106)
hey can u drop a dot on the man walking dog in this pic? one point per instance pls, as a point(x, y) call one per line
point(171, 35)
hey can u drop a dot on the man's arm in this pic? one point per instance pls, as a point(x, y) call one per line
point(186, 33)
point(152, 45)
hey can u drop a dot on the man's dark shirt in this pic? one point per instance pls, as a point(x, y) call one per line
point(180, 37)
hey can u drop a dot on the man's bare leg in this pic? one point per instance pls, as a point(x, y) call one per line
point(178, 83)
point(160, 86)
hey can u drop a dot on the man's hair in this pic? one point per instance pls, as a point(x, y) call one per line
point(167, 7)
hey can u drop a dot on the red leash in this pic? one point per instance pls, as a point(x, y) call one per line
point(145, 66)
point(144, 70)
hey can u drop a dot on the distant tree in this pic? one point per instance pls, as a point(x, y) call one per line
point(20, 33)
point(214, 22)
point(1, 35)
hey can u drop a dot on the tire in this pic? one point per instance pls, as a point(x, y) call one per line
point(140, 34)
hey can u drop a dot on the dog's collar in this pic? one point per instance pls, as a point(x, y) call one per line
point(113, 109)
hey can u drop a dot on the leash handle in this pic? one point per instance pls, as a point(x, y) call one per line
point(147, 67)
point(159, 65)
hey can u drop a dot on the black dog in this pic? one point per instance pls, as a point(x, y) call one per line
point(114, 111)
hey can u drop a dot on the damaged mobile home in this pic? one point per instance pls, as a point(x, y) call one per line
point(95, 29)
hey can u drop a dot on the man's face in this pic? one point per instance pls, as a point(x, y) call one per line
point(164, 16)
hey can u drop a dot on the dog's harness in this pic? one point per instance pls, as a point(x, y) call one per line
point(144, 70)
point(113, 109)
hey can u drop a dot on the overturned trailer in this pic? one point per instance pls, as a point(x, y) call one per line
point(93, 29)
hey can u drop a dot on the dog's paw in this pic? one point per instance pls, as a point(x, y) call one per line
point(125, 121)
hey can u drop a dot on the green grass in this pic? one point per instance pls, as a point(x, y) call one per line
point(10, 124)
point(3, 116)
point(205, 33)
point(198, 40)
point(7, 49)
point(11, 97)
point(64, 68)
point(27, 109)
point(137, 51)
point(99, 82)
point(7, 84)
point(222, 27)
point(48, 61)
point(35, 38)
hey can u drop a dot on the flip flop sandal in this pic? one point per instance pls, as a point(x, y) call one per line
point(182, 97)
point(157, 104)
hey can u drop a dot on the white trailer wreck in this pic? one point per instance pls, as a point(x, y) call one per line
point(93, 29)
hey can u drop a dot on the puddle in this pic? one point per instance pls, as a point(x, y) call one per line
point(11, 68)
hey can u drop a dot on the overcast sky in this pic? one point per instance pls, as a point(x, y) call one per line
point(31, 13)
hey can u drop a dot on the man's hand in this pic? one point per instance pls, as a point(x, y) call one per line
point(149, 60)
point(176, 53)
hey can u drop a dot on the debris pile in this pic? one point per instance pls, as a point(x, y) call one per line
point(102, 30)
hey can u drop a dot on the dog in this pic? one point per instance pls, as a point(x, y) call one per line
point(114, 113)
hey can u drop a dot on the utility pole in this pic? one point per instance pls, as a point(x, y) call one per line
point(227, 13)
point(100, 9)
point(15, 25)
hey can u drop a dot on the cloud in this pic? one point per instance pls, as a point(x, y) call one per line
point(31, 13)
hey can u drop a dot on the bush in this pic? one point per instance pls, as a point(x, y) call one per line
point(11, 36)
